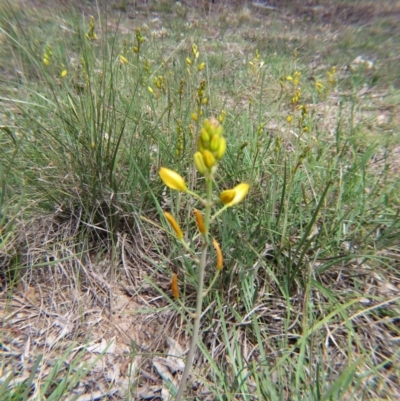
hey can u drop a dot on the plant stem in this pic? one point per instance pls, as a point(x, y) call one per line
point(199, 300)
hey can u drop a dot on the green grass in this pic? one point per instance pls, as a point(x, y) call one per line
point(307, 305)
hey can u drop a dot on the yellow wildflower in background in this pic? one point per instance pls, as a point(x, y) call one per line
point(123, 60)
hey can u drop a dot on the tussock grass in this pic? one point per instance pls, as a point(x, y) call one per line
point(307, 306)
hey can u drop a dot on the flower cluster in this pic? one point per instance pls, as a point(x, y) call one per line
point(331, 80)
point(139, 40)
point(211, 146)
point(91, 33)
point(47, 55)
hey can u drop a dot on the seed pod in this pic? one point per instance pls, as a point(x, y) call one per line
point(209, 159)
point(174, 286)
point(199, 163)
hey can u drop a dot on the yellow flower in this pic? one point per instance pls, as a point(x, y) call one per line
point(174, 225)
point(202, 66)
point(172, 179)
point(227, 196)
point(64, 73)
point(235, 195)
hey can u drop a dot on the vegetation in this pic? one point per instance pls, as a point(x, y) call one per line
point(304, 303)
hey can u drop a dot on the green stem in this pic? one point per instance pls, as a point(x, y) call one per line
point(219, 212)
point(205, 293)
point(199, 300)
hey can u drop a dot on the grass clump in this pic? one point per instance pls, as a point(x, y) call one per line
point(306, 305)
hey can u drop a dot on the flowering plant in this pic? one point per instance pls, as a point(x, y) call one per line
point(211, 147)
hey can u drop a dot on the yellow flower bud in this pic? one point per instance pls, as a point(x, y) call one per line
point(209, 159)
point(172, 179)
point(123, 60)
point(201, 66)
point(135, 49)
point(174, 225)
point(64, 73)
point(46, 60)
point(204, 101)
point(194, 117)
point(150, 89)
point(221, 148)
point(289, 78)
point(214, 144)
point(207, 124)
point(200, 145)
point(188, 61)
point(205, 136)
point(218, 130)
point(289, 119)
point(200, 222)
point(220, 258)
point(199, 163)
